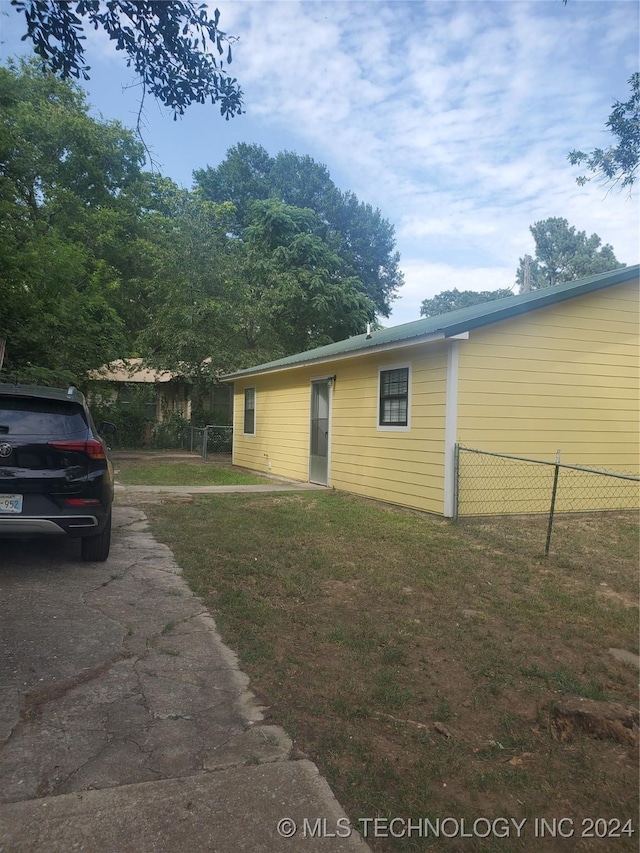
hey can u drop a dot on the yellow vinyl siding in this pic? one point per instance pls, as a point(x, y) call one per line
point(563, 378)
point(281, 441)
point(402, 467)
point(405, 468)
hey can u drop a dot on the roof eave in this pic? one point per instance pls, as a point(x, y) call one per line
point(545, 299)
point(355, 353)
point(541, 299)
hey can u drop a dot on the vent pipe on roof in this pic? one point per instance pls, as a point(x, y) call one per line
point(368, 331)
point(526, 282)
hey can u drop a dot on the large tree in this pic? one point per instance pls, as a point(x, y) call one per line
point(68, 202)
point(358, 234)
point(293, 291)
point(563, 254)
point(617, 164)
point(189, 302)
point(176, 49)
point(101, 260)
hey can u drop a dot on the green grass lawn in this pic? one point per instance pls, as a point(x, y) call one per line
point(134, 472)
point(418, 662)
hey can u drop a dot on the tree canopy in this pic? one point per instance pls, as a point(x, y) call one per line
point(175, 48)
point(358, 234)
point(563, 254)
point(451, 300)
point(299, 292)
point(101, 260)
point(68, 188)
point(617, 164)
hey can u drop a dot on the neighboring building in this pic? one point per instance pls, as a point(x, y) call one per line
point(379, 415)
point(169, 392)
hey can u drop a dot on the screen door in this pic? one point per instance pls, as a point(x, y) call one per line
point(319, 455)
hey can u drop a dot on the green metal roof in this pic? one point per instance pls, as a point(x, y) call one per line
point(447, 325)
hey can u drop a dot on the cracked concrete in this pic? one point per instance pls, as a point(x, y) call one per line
point(114, 679)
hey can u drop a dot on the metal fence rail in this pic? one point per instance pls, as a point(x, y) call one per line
point(489, 483)
point(213, 438)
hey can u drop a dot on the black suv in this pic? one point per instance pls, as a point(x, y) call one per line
point(55, 473)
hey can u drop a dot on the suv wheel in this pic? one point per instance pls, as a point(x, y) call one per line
point(95, 549)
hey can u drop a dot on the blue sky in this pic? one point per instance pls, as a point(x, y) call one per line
point(453, 118)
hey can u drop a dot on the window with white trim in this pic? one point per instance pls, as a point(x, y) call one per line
point(393, 408)
point(249, 411)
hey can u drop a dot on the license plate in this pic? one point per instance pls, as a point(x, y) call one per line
point(10, 503)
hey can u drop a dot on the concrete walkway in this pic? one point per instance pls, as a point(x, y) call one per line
point(279, 486)
point(127, 725)
point(274, 484)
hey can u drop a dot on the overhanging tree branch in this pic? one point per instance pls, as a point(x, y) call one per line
point(175, 48)
point(618, 164)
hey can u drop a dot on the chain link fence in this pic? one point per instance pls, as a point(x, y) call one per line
point(209, 439)
point(498, 484)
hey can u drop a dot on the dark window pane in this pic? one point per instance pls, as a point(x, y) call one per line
point(394, 412)
point(394, 382)
point(394, 397)
point(30, 416)
point(249, 410)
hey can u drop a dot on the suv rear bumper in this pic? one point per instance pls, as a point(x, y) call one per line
point(72, 525)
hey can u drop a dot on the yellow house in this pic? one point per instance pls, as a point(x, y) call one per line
point(382, 414)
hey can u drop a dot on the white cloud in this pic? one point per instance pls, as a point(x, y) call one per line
point(425, 280)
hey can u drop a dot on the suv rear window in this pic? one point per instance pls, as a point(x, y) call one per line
point(31, 416)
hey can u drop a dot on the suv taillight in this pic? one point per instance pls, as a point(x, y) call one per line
point(92, 448)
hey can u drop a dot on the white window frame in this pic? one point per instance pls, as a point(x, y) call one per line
point(405, 365)
point(244, 410)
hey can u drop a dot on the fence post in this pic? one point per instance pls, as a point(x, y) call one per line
point(456, 479)
point(553, 503)
point(205, 442)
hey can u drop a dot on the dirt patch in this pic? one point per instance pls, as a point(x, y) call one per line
point(626, 657)
point(609, 594)
point(602, 720)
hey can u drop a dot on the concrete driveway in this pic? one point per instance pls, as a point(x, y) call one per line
point(125, 723)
